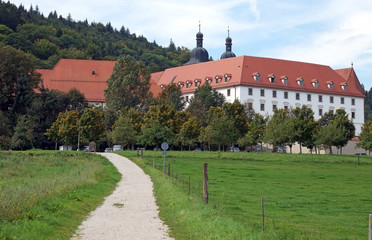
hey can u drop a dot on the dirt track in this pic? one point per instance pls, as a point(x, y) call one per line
point(130, 212)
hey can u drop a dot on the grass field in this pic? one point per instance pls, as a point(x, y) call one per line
point(47, 194)
point(306, 196)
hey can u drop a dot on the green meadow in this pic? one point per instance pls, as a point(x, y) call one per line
point(305, 196)
point(47, 194)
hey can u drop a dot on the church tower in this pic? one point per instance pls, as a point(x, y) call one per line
point(228, 53)
point(198, 54)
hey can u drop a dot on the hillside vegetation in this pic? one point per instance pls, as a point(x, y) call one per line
point(53, 37)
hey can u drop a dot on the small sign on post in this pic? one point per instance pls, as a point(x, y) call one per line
point(165, 147)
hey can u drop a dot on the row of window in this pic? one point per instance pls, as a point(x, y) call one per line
point(300, 81)
point(320, 97)
point(320, 111)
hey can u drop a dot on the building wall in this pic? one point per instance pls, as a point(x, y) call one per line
point(319, 105)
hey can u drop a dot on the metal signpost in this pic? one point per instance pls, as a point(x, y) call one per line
point(165, 147)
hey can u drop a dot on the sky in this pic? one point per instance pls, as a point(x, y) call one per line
point(337, 33)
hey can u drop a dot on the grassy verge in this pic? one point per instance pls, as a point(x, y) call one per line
point(306, 196)
point(46, 195)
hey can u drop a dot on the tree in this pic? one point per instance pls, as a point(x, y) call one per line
point(155, 133)
point(123, 131)
point(23, 136)
point(15, 65)
point(23, 96)
point(76, 99)
point(65, 128)
point(163, 113)
point(256, 131)
point(190, 132)
point(235, 112)
point(204, 98)
point(304, 126)
point(329, 135)
point(180, 117)
point(172, 95)
point(92, 125)
point(128, 85)
point(43, 49)
point(5, 132)
point(335, 129)
point(224, 132)
point(280, 129)
point(365, 136)
point(206, 135)
point(342, 121)
point(135, 118)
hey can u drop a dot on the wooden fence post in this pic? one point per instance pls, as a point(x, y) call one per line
point(370, 227)
point(205, 183)
point(263, 214)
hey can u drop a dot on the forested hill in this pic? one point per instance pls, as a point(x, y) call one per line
point(53, 37)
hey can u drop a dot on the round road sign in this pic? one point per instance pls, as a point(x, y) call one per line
point(164, 146)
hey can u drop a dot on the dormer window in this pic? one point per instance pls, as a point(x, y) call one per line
point(256, 76)
point(284, 79)
point(227, 77)
point(197, 82)
point(162, 86)
point(218, 78)
point(271, 78)
point(315, 83)
point(188, 83)
point(330, 85)
point(208, 80)
point(344, 86)
point(300, 81)
point(181, 84)
point(93, 73)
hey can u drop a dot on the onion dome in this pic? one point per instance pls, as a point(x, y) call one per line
point(228, 53)
point(198, 54)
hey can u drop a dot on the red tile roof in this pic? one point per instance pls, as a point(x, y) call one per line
point(351, 78)
point(88, 76)
point(244, 67)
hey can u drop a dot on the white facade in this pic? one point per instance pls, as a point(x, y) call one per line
point(264, 100)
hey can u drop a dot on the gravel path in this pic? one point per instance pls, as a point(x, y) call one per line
point(130, 212)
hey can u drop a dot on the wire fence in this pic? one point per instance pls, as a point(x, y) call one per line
point(194, 185)
point(191, 185)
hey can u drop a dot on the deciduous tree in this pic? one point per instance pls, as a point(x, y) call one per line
point(190, 132)
point(15, 65)
point(172, 95)
point(304, 126)
point(92, 125)
point(128, 85)
point(365, 137)
point(124, 132)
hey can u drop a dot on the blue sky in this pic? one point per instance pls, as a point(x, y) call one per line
point(330, 32)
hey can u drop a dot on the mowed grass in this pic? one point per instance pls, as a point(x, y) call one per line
point(305, 196)
point(47, 194)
